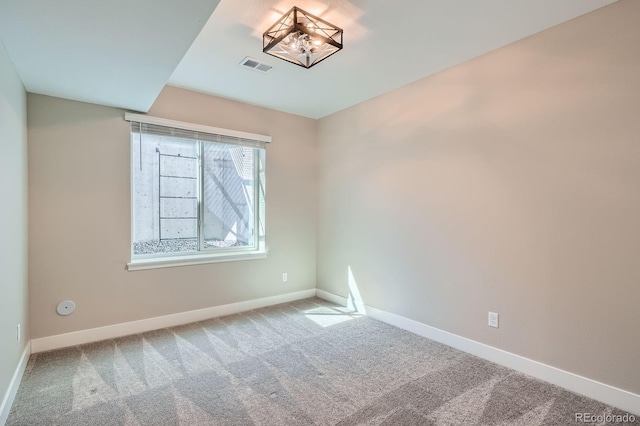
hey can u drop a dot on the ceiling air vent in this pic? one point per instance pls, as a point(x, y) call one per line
point(255, 65)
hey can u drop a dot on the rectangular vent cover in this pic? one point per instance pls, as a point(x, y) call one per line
point(255, 65)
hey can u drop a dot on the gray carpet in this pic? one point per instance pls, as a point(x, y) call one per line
point(302, 363)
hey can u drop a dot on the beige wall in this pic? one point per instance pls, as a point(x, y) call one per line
point(80, 214)
point(13, 219)
point(510, 183)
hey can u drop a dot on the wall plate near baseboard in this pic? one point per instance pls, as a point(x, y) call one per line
point(124, 329)
point(610, 395)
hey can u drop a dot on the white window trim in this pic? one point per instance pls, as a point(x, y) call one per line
point(137, 264)
point(194, 259)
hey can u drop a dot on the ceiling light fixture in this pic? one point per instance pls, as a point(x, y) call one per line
point(302, 38)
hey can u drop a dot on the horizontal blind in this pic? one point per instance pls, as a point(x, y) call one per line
point(145, 124)
point(154, 129)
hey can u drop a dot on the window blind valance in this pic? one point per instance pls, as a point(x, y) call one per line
point(163, 127)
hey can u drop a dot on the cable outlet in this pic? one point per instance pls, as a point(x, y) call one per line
point(19, 335)
point(284, 277)
point(493, 319)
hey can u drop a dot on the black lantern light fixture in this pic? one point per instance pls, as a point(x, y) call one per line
point(302, 38)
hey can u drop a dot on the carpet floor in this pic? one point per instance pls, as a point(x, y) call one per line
point(302, 363)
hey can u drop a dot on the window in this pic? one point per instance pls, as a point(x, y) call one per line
point(198, 193)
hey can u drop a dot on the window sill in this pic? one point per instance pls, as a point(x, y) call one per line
point(186, 260)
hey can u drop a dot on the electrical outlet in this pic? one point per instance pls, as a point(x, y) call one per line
point(284, 277)
point(19, 334)
point(493, 319)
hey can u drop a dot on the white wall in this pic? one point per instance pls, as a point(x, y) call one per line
point(509, 183)
point(13, 219)
point(79, 175)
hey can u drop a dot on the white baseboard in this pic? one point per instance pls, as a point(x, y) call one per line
point(124, 329)
point(610, 395)
point(10, 395)
point(330, 297)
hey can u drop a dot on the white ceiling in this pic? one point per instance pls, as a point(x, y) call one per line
point(112, 52)
point(122, 52)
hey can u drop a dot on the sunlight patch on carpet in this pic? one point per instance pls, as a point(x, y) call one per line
point(326, 317)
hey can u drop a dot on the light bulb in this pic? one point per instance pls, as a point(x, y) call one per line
point(293, 41)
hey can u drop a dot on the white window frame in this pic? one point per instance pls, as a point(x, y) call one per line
point(165, 260)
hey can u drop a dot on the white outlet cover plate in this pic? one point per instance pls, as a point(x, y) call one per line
point(493, 319)
point(66, 307)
